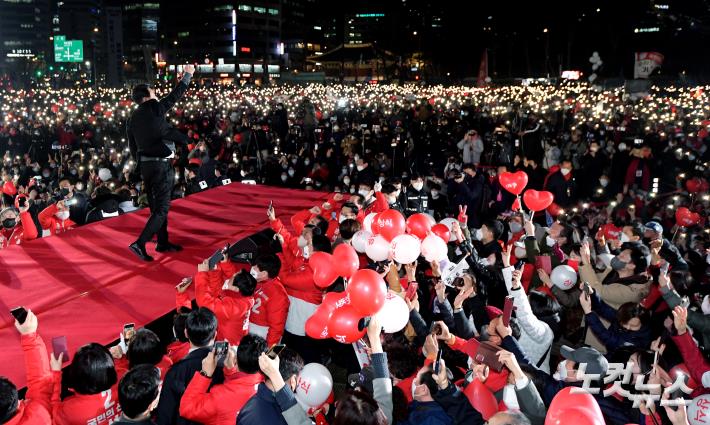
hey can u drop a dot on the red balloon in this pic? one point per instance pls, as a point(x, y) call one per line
point(98, 108)
point(442, 231)
point(343, 325)
point(108, 113)
point(578, 408)
point(367, 292)
point(696, 185)
point(513, 182)
point(389, 224)
point(610, 231)
point(537, 201)
point(345, 260)
point(686, 218)
point(317, 325)
point(516, 205)
point(418, 225)
point(554, 209)
point(682, 369)
point(481, 398)
point(323, 272)
point(55, 108)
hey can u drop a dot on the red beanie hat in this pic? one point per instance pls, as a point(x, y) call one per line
point(195, 161)
point(493, 312)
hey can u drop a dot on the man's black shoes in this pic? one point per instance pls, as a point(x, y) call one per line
point(140, 251)
point(168, 247)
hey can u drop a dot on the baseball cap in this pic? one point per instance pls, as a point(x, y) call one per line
point(596, 363)
point(654, 226)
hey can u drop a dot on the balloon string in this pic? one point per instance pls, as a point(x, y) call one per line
point(675, 233)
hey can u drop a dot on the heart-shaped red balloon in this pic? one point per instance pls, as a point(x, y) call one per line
point(537, 200)
point(513, 182)
point(696, 185)
point(686, 218)
point(324, 273)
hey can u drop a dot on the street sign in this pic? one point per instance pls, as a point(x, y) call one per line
point(68, 50)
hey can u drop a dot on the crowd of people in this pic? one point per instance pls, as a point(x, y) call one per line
point(614, 271)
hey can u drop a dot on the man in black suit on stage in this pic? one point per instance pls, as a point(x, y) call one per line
point(151, 140)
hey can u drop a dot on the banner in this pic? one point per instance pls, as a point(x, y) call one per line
point(483, 70)
point(646, 62)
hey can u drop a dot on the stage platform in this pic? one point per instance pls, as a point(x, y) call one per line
point(86, 284)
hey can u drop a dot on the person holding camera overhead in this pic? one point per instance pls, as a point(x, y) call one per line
point(17, 224)
point(151, 141)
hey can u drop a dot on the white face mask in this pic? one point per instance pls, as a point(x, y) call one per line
point(705, 306)
point(342, 218)
point(302, 241)
point(603, 182)
point(346, 181)
point(254, 273)
point(62, 215)
point(360, 167)
point(418, 185)
point(434, 194)
point(363, 192)
point(565, 171)
point(515, 227)
point(520, 252)
point(478, 234)
point(623, 238)
point(561, 373)
point(549, 241)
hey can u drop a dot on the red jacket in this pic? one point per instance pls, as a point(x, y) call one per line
point(36, 407)
point(25, 230)
point(221, 405)
point(290, 241)
point(82, 409)
point(121, 366)
point(268, 316)
point(50, 222)
point(303, 294)
point(177, 350)
point(694, 361)
point(231, 308)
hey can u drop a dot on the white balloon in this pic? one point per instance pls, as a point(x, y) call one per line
point(434, 248)
point(394, 314)
point(405, 248)
point(606, 258)
point(696, 409)
point(314, 385)
point(520, 252)
point(595, 67)
point(378, 249)
point(449, 223)
point(367, 222)
point(359, 240)
point(564, 277)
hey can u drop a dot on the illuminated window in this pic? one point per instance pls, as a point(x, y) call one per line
point(259, 9)
point(273, 12)
point(244, 8)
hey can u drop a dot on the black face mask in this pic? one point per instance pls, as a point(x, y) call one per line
point(64, 192)
point(9, 223)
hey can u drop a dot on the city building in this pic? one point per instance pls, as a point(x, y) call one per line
point(140, 39)
point(228, 40)
point(24, 36)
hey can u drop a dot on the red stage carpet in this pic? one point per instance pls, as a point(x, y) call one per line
point(86, 284)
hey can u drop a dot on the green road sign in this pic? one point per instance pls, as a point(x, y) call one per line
point(68, 50)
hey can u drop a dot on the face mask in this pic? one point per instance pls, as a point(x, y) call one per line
point(478, 234)
point(254, 273)
point(62, 215)
point(565, 171)
point(302, 242)
point(341, 218)
point(291, 172)
point(306, 162)
point(64, 191)
point(9, 223)
point(622, 147)
point(623, 238)
point(72, 172)
point(45, 175)
point(603, 182)
point(346, 181)
point(80, 186)
point(418, 186)
point(35, 169)
point(515, 227)
point(363, 192)
point(617, 264)
point(284, 177)
point(360, 167)
point(561, 373)
point(306, 252)
point(294, 161)
point(243, 173)
point(549, 241)
point(352, 190)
